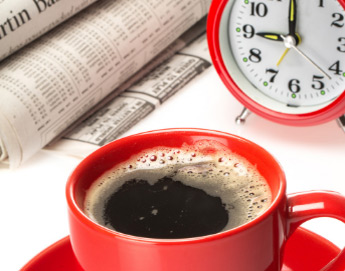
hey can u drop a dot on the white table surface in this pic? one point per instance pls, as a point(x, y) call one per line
point(32, 197)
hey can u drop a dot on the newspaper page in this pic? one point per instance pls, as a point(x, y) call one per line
point(139, 100)
point(186, 38)
point(23, 21)
point(56, 79)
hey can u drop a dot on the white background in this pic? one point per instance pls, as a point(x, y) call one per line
point(32, 197)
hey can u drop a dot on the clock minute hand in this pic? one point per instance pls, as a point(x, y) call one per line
point(270, 36)
point(292, 17)
point(293, 21)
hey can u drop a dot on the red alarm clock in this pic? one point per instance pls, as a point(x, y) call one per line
point(282, 59)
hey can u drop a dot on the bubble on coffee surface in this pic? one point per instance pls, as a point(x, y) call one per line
point(207, 165)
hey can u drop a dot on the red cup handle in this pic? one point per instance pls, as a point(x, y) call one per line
point(308, 205)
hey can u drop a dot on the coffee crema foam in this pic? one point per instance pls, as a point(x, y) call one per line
point(207, 165)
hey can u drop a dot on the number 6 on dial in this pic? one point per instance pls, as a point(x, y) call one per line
point(282, 59)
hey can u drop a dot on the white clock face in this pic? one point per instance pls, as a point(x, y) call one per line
point(311, 73)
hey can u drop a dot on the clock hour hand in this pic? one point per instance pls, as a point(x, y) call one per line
point(270, 36)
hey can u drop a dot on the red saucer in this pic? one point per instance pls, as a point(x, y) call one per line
point(304, 251)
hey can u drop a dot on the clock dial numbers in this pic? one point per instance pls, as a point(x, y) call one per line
point(321, 3)
point(294, 86)
point(318, 83)
point(259, 48)
point(336, 68)
point(273, 73)
point(258, 9)
point(248, 31)
point(341, 48)
point(339, 20)
point(255, 55)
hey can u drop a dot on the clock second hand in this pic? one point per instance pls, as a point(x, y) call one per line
point(289, 42)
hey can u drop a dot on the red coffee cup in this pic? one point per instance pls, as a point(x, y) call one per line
point(257, 245)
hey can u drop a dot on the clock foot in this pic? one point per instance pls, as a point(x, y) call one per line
point(341, 122)
point(241, 119)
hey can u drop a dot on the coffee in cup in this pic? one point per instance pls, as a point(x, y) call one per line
point(190, 191)
point(160, 160)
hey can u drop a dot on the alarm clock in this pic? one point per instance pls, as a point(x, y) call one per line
point(282, 59)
